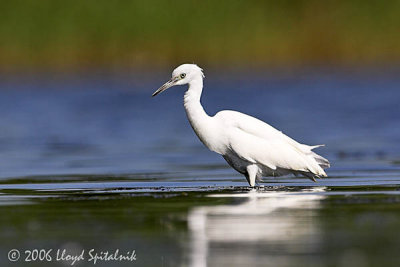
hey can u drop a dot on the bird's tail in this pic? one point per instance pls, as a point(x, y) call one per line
point(322, 162)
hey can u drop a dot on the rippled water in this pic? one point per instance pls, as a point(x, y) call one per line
point(97, 163)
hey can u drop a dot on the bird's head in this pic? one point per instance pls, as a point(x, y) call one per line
point(183, 74)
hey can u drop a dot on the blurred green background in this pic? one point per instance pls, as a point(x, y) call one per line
point(71, 35)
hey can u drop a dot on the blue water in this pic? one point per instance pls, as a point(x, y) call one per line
point(110, 125)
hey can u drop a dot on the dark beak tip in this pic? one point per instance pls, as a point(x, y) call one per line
point(156, 93)
point(167, 85)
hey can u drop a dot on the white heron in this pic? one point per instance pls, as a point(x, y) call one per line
point(250, 146)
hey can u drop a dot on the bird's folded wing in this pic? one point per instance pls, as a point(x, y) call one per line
point(273, 153)
point(258, 142)
point(257, 127)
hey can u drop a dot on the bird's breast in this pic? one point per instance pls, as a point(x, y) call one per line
point(212, 136)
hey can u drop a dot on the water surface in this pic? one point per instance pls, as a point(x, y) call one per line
point(96, 163)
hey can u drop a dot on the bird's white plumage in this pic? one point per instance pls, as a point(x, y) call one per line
point(250, 146)
point(260, 143)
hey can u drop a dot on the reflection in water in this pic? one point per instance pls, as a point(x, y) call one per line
point(255, 231)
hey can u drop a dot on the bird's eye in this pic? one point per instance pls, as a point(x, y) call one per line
point(183, 75)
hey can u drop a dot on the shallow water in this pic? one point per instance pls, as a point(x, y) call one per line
point(96, 163)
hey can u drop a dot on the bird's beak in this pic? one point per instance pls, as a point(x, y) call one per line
point(166, 85)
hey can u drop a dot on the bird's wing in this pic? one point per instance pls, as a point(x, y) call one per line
point(258, 128)
point(258, 142)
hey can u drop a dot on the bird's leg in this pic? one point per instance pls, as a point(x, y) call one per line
point(252, 171)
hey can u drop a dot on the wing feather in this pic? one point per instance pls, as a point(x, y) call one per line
point(258, 142)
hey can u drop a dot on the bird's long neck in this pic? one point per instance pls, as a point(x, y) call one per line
point(198, 118)
point(193, 107)
point(203, 125)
